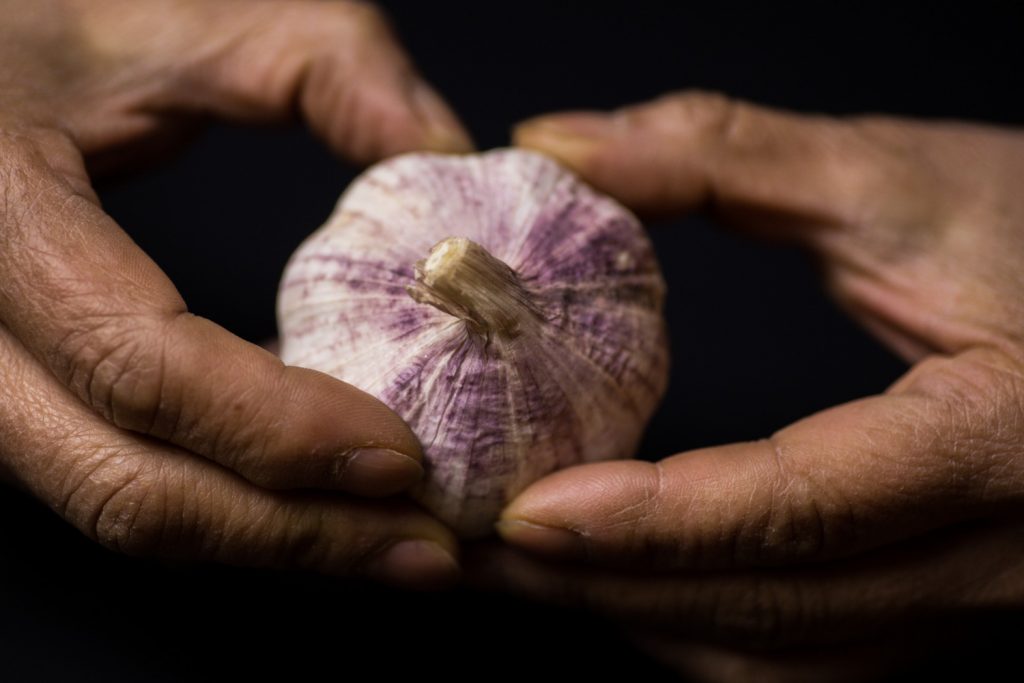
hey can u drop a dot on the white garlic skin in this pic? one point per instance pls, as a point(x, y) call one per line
point(494, 412)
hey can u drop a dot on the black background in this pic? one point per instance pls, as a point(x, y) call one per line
point(755, 342)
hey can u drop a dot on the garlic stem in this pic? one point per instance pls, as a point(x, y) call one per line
point(462, 279)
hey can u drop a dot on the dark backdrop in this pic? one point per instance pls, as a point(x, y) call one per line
point(755, 342)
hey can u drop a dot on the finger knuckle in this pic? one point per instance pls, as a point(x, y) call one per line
point(124, 507)
point(246, 433)
point(704, 114)
point(700, 105)
point(805, 517)
point(646, 521)
point(720, 121)
point(310, 545)
point(133, 520)
point(976, 409)
point(793, 531)
point(116, 364)
point(637, 520)
point(313, 538)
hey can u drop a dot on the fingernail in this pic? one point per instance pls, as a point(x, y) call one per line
point(443, 131)
point(377, 472)
point(544, 540)
point(582, 124)
point(414, 564)
point(573, 138)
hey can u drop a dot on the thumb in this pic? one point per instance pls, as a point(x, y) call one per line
point(685, 150)
point(933, 451)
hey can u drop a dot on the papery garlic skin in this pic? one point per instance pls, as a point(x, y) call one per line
point(574, 377)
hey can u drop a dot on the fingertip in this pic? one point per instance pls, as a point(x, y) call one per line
point(570, 497)
point(548, 518)
point(417, 564)
point(568, 515)
point(547, 541)
point(331, 435)
point(448, 141)
point(376, 472)
point(442, 130)
point(573, 138)
point(587, 125)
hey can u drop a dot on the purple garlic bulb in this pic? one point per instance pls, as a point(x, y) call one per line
point(507, 311)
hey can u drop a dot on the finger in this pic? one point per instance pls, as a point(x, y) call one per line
point(686, 150)
point(973, 568)
point(337, 63)
point(880, 198)
point(938, 448)
point(143, 498)
point(103, 317)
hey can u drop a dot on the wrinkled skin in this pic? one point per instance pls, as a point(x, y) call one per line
point(831, 549)
point(153, 431)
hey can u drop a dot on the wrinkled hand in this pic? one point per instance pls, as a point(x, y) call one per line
point(152, 430)
point(859, 522)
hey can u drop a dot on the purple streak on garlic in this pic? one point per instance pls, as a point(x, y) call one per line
point(531, 340)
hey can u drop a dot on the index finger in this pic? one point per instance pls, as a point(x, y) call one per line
point(91, 306)
point(687, 150)
point(338, 64)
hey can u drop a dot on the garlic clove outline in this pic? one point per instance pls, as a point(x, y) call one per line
point(511, 314)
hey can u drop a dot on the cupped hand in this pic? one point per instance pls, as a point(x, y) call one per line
point(857, 524)
point(154, 431)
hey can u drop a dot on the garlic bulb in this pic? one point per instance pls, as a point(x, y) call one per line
point(508, 312)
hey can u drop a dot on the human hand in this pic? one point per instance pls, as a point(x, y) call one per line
point(154, 431)
point(862, 523)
